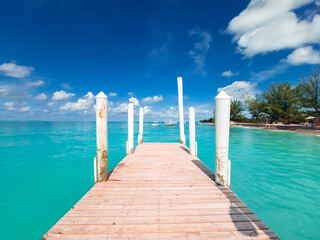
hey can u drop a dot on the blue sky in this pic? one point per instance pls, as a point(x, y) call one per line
point(55, 56)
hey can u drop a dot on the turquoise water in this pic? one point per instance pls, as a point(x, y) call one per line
point(46, 167)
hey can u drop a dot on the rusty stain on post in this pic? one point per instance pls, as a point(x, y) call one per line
point(102, 139)
point(222, 126)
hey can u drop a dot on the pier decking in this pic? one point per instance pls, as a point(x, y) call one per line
point(160, 192)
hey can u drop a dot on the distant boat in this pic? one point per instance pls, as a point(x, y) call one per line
point(155, 124)
point(170, 123)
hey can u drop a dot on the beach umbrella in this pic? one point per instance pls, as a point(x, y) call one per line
point(310, 117)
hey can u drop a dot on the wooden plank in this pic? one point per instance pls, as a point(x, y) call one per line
point(160, 192)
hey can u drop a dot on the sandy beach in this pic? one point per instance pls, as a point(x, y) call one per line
point(280, 127)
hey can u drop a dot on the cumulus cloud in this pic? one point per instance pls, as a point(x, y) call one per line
point(229, 73)
point(41, 96)
point(152, 99)
point(83, 103)
point(112, 94)
point(147, 110)
point(13, 70)
point(120, 108)
point(134, 101)
point(240, 90)
point(36, 83)
point(200, 49)
point(304, 55)
point(271, 25)
point(62, 95)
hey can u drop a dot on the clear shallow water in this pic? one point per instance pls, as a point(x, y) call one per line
point(46, 167)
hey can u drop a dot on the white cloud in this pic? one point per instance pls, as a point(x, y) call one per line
point(147, 110)
point(25, 109)
point(120, 108)
point(270, 73)
point(271, 25)
point(200, 49)
point(171, 112)
point(260, 12)
point(3, 91)
point(84, 103)
point(11, 106)
point(152, 99)
point(112, 94)
point(41, 96)
point(14, 91)
point(240, 90)
point(160, 51)
point(229, 73)
point(14, 70)
point(66, 86)
point(51, 103)
point(134, 101)
point(36, 83)
point(317, 2)
point(165, 113)
point(304, 55)
point(130, 93)
point(61, 95)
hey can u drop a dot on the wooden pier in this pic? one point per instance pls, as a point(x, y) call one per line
point(160, 192)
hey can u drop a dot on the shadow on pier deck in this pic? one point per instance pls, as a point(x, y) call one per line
point(160, 192)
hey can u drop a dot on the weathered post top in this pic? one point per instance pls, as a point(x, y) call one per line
point(101, 95)
point(222, 95)
point(181, 118)
point(222, 128)
point(101, 161)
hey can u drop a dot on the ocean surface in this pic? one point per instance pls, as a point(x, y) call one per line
point(46, 167)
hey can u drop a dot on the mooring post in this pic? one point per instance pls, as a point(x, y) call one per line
point(222, 128)
point(181, 119)
point(101, 161)
point(130, 148)
point(192, 132)
point(140, 136)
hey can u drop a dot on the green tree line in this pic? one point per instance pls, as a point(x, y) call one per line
point(282, 102)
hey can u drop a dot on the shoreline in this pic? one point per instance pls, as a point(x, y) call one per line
point(280, 127)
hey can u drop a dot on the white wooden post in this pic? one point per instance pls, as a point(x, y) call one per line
point(101, 161)
point(130, 148)
point(140, 136)
point(192, 132)
point(222, 128)
point(181, 119)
